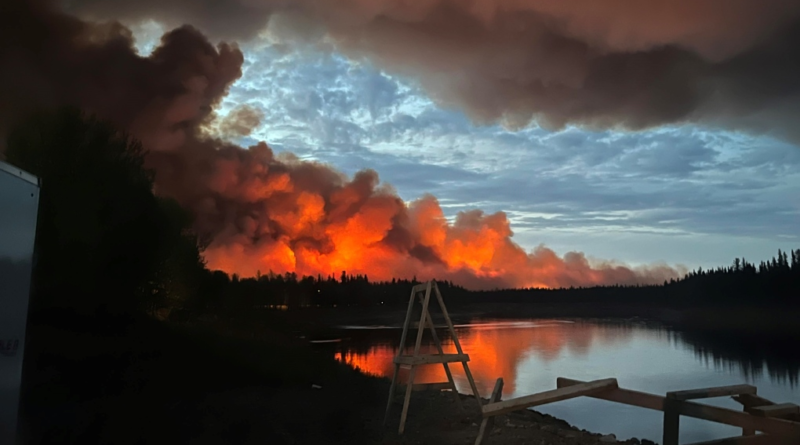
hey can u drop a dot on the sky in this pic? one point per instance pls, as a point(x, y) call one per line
point(496, 143)
point(687, 195)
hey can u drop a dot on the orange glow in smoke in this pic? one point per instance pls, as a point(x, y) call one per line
point(306, 218)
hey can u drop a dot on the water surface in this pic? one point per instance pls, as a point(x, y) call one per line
point(531, 354)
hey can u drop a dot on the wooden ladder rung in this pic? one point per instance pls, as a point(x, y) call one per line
point(430, 359)
point(427, 386)
point(426, 322)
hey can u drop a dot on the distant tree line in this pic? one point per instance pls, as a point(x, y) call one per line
point(225, 293)
point(771, 283)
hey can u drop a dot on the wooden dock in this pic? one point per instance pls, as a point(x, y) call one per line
point(779, 423)
point(762, 421)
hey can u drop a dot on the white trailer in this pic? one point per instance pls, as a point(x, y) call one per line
point(19, 205)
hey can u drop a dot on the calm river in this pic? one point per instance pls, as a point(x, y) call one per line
point(530, 354)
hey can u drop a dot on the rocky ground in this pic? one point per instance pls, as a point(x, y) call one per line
point(312, 416)
point(434, 418)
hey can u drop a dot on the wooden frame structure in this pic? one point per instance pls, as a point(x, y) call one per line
point(496, 407)
point(417, 359)
point(779, 423)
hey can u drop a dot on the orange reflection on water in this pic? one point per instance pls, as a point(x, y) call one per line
point(378, 361)
point(496, 349)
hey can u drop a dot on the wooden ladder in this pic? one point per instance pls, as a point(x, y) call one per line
point(417, 359)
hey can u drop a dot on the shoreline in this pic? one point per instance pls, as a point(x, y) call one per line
point(244, 379)
point(762, 322)
point(433, 417)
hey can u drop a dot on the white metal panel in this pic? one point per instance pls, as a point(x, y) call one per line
point(19, 201)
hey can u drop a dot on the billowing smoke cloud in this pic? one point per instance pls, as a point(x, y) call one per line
point(616, 63)
point(260, 211)
point(51, 59)
point(239, 122)
point(289, 215)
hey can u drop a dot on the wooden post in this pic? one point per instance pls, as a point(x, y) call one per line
point(417, 346)
point(747, 431)
point(403, 337)
point(672, 416)
point(488, 422)
point(450, 379)
point(457, 344)
point(407, 399)
point(671, 422)
point(748, 401)
point(392, 388)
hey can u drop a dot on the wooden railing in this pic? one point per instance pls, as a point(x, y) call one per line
point(779, 423)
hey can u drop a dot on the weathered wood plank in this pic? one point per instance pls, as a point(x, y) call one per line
point(430, 359)
point(417, 345)
point(775, 410)
point(406, 400)
point(488, 422)
point(747, 431)
point(423, 318)
point(624, 396)
point(427, 386)
point(440, 350)
point(403, 338)
point(760, 439)
point(457, 343)
point(542, 398)
point(672, 423)
point(419, 288)
point(392, 389)
point(768, 425)
point(729, 417)
point(751, 400)
point(716, 391)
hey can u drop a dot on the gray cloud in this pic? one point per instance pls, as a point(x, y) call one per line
point(620, 65)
